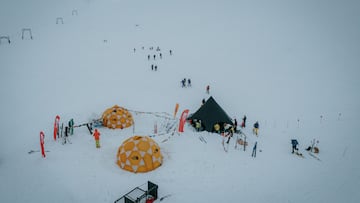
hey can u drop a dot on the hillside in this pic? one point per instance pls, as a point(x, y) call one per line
point(292, 66)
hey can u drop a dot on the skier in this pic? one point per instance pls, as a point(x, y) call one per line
point(294, 144)
point(254, 150)
point(189, 82)
point(170, 52)
point(149, 57)
point(183, 82)
point(160, 56)
point(235, 125)
point(208, 89)
point(152, 66)
point(134, 50)
point(256, 128)
point(155, 67)
point(154, 56)
point(243, 124)
point(97, 138)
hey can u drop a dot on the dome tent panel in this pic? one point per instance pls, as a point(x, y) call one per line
point(148, 160)
point(144, 154)
point(143, 146)
point(117, 117)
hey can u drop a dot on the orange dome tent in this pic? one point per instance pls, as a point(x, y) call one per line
point(139, 154)
point(117, 117)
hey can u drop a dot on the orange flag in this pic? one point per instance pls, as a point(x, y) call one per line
point(176, 109)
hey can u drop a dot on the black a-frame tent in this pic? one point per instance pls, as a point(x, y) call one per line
point(211, 113)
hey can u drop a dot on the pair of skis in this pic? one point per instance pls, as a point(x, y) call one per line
point(164, 197)
point(34, 151)
point(314, 156)
point(202, 139)
point(310, 153)
point(226, 147)
point(170, 136)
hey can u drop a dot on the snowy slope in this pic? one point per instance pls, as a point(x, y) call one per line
point(283, 63)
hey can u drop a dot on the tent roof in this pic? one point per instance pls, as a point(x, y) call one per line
point(211, 113)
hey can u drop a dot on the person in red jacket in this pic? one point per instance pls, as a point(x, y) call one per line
point(97, 138)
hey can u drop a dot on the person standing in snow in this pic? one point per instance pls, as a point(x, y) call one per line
point(217, 128)
point(155, 67)
point(170, 52)
point(160, 56)
point(198, 125)
point(256, 128)
point(97, 138)
point(208, 89)
point(243, 124)
point(189, 82)
point(294, 144)
point(182, 83)
point(149, 57)
point(203, 102)
point(235, 124)
point(228, 129)
point(254, 150)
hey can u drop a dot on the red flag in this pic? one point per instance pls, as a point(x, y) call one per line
point(183, 120)
point(56, 126)
point(42, 137)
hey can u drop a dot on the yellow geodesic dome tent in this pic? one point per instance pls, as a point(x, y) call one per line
point(117, 117)
point(139, 154)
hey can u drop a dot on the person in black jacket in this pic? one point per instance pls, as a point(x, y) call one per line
point(256, 128)
point(243, 124)
point(235, 124)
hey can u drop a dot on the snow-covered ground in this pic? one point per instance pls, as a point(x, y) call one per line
point(291, 65)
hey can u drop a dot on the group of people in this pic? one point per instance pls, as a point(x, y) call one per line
point(183, 82)
point(218, 128)
point(228, 130)
point(256, 125)
point(154, 56)
point(153, 67)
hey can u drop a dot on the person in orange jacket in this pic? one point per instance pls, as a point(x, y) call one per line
point(97, 138)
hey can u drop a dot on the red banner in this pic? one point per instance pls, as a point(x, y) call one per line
point(42, 138)
point(183, 120)
point(56, 126)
